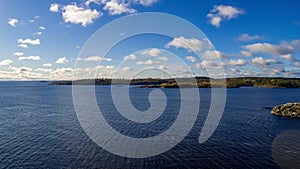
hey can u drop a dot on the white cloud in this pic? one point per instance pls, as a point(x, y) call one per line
point(246, 37)
point(263, 62)
point(145, 2)
point(206, 63)
point(47, 64)
point(216, 21)
point(88, 2)
point(30, 58)
point(296, 44)
point(6, 62)
point(43, 70)
point(62, 71)
point(105, 67)
point(13, 22)
point(213, 54)
point(23, 45)
point(191, 58)
point(115, 7)
point(79, 15)
point(246, 53)
point(62, 60)
point(190, 44)
point(297, 64)
point(270, 48)
point(96, 58)
point(288, 57)
point(163, 58)
point(164, 67)
point(23, 69)
point(39, 33)
point(239, 62)
point(127, 68)
point(54, 7)
point(29, 41)
point(130, 57)
point(34, 19)
point(42, 28)
point(18, 54)
point(118, 7)
point(222, 12)
point(152, 52)
point(148, 62)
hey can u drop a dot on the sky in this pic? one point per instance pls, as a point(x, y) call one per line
point(47, 39)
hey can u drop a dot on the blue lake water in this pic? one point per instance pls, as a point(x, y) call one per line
point(39, 129)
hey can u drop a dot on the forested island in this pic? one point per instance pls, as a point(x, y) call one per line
point(199, 82)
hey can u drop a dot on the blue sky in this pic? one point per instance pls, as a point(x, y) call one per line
point(42, 39)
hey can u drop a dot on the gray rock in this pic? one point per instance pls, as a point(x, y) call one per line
point(287, 110)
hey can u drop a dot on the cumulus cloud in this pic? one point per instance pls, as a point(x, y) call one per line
point(43, 70)
point(23, 45)
point(187, 43)
point(130, 57)
point(109, 67)
point(246, 53)
point(148, 62)
point(54, 7)
point(213, 54)
point(191, 58)
point(96, 58)
point(222, 12)
point(152, 52)
point(62, 71)
point(247, 38)
point(34, 19)
point(6, 62)
point(47, 64)
point(163, 58)
point(30, 58)
point(13, 22)
point(270, 48)
point(297, 64)
point(62, 60)
point(239, 62)
point(79, 15)
point(295, 44)
point(116, 7)
point(18, 54)
point(127, 68)
point(288, 57)
point(206, 63)
point(263, 62)
point(164, 67)
point(88, 2)
point(42, 28)
point(145, 2)
point(29, 41)
point(23, 69)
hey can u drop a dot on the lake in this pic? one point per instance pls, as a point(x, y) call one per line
point(39, 129)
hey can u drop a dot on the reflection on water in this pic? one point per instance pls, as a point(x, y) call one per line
point(39, 128)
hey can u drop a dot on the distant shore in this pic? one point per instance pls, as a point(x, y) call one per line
point(197, 82)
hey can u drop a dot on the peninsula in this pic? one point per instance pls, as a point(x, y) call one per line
point(199, 82)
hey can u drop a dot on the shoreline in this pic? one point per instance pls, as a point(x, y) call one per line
point(197, 82)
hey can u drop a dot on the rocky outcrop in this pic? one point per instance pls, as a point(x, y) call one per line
point(287, 110)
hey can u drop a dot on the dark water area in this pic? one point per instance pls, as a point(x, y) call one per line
point(39, 129)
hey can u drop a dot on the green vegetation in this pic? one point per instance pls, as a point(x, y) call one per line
point(200, 82)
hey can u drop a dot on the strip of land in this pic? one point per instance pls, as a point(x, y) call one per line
point(198, 82)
